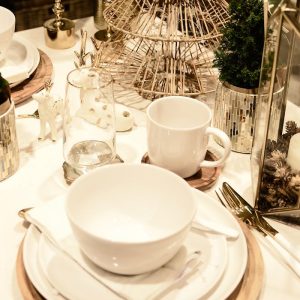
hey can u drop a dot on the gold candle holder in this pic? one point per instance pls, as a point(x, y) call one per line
point(59, 32)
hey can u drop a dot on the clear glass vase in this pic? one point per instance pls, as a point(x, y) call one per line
point(89, 119)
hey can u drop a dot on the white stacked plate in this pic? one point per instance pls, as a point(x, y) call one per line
point(20, 62)
point(223, 262)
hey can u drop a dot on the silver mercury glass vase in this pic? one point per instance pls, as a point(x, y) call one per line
point(9, 149)
point(235, 113)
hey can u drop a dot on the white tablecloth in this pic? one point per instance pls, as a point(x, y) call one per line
point(40, 178)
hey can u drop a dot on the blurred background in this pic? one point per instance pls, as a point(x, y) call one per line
point(33, 13)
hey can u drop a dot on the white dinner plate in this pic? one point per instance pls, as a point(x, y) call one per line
point(74, 283)
point(36, 246)
point(30, 253)
point(22, 56)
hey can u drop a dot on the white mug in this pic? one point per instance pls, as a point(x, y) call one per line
point(178, 130)
point(7, 29)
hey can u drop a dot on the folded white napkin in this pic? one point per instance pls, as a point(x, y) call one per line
point(52, 221)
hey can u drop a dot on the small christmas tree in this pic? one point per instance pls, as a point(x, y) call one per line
point(239, 55)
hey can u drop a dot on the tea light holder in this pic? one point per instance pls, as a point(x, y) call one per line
point(275, 157)
point(59, 32)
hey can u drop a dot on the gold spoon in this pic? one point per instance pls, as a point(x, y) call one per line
point(22, 212)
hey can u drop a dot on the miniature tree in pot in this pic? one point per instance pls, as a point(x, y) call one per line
point(238, 59)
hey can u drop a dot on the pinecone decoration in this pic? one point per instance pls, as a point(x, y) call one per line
point(280, 186)
point(270, 146)
point(291, 128)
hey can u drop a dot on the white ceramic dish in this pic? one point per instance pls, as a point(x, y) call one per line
point(7, 28)
point(22, 56)
point(237, 259)
point(131, 220)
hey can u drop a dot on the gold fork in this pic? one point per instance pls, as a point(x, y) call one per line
point(260, 222)
point(239, 211)
point(247, 216)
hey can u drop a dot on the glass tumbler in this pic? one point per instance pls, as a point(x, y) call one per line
point(89, 119)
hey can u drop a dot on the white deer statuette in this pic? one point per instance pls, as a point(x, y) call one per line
point(49, 107)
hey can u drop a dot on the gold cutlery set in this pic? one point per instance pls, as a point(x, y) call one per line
point(249, 215)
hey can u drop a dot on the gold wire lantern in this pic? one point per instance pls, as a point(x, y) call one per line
point(167, 46)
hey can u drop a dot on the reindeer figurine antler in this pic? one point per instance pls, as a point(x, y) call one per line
point(48, 85)
point(95, 57)
point(82, 55)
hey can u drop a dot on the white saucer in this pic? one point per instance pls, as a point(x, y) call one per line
point(35, 247)
point(22, 57)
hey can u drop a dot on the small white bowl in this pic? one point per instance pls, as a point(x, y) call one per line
point(130, 219)
point(7, 29)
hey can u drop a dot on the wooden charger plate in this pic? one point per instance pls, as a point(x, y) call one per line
point(248, 289)
point(204, 178)
point(35, 82)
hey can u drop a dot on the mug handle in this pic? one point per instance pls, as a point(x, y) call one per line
point(226, 144)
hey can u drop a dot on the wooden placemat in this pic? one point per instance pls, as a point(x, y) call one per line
point(250, 286)
point(248, 289)
point(28, 290)
point(204, 178)
point(35, 82)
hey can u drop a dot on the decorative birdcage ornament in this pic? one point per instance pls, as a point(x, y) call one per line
point(167, 46)
point(275, 157)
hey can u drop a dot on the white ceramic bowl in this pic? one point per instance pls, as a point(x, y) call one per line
point(7, 29)
point(130, 219)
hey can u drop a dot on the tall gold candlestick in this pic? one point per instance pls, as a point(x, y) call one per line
point(59, 31)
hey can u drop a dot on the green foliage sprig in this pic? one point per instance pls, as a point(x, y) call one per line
point(239, 55)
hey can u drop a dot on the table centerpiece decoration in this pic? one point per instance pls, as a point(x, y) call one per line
point(238, 59)
point(275, 157)
point(169, 45)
